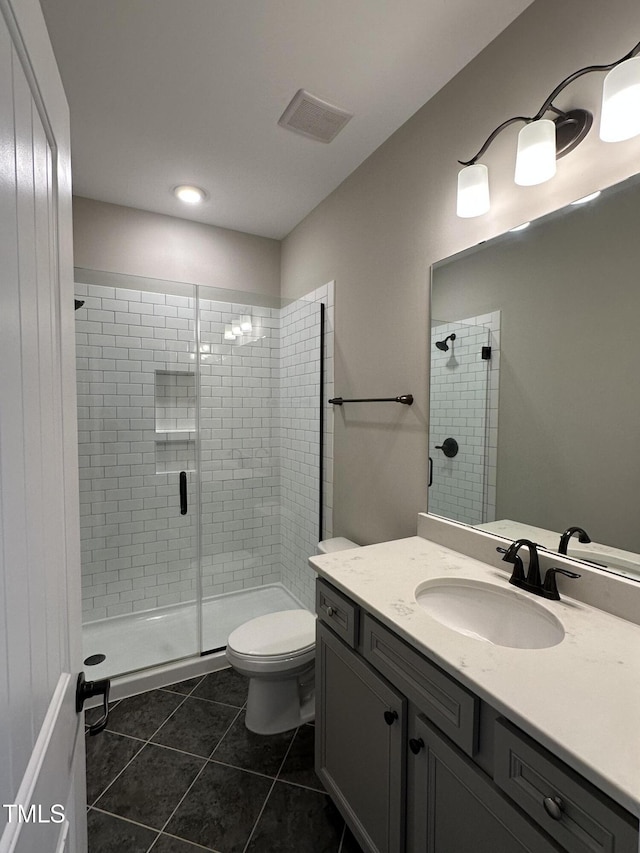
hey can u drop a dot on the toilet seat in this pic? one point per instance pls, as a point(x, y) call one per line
point(281, 636)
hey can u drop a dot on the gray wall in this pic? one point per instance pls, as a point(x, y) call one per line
point(135, 242)
point(569, 412)
point(380, 231)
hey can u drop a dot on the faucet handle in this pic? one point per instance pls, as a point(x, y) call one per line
point(550, 588)
point(518, 565)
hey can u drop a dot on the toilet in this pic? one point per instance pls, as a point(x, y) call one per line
point(277, 653)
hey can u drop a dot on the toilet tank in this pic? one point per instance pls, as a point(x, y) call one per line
point(339, 543)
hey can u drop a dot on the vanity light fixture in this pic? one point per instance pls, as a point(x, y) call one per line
point(228, 333)
point(543, 140)
point(189, 194)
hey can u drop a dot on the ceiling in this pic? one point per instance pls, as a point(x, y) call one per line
point(168, 92)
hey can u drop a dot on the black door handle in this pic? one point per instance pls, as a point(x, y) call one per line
point(183, 492)
point(430, 483)
point(85, 690)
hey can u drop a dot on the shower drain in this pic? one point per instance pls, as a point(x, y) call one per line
point(93, 660)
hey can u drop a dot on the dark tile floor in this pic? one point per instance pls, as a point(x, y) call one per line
point(176, 771)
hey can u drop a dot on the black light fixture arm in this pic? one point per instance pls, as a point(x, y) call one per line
point(492, 136)
point(548, 103)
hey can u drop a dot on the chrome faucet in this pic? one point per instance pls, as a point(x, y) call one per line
point(583, 537)
point(532, 582)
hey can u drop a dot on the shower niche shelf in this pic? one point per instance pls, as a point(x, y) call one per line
point(175, 403)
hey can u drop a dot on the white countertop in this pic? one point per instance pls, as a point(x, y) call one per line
point(580, 698)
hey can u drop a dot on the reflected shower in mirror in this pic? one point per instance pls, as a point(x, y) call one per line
point(458, 416)
point(561, 304)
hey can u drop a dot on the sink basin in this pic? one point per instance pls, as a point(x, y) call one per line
point(615, 561)
point(487, 612)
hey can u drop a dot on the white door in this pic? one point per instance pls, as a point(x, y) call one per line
point(41, 736)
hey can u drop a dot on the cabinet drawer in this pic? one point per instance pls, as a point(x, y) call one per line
point(446, 703)
point(337, 611)
point(570, 809)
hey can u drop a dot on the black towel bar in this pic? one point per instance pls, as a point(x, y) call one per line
point(407, 399)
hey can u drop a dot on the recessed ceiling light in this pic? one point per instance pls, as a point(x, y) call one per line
point(189, 194)
point(520, 227)
point(587, 198)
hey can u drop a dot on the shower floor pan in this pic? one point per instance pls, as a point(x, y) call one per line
point(156, 637)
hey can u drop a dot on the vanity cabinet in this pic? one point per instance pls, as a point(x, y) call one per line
point(456, 809)
point(417, 763)
point(360, 753)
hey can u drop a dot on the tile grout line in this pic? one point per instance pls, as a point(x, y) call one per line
point(253, 829)
point(177, 838)
point(344, 832)
point(197, 776)
point(144, 742)
point(214, 760)
point(207, 760)
point(126, 819)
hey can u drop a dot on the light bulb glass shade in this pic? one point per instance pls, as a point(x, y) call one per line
point(235, 328)
point(587, 198)
point(620, 116)
point(245, 323)
point(228, 334)
point(473, 191)
point(536, 157)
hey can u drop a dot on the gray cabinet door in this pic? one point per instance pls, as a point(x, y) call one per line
point(455, 808)
point(360, 729)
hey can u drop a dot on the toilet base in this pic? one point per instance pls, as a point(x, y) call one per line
point(279, 705)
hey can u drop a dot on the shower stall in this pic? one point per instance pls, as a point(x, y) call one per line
point(463, 418)
point(200, 450)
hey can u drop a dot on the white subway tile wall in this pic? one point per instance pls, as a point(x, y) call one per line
point(464, 406)
point(299, 436)
point(138, 552)
point(239, 450)
point(259, 447)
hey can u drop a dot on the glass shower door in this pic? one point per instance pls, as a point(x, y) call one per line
point(138, 427)
point(259, 457)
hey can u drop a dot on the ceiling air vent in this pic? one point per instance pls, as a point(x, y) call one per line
point(313, 117)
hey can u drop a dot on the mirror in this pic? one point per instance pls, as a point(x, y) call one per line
point(548, 428)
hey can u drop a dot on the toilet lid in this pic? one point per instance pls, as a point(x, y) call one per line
point(285, 632)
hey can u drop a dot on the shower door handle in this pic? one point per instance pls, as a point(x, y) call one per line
point(183, 492)
point(430, 483)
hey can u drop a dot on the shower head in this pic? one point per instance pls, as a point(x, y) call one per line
point(443, 345)
point(78, 303)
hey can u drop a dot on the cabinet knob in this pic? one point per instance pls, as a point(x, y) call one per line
point(390, 717)
point(553, 807)
point(329, 610)
point(415, 745)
